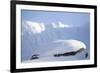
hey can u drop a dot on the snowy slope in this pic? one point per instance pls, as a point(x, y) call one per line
point(45, 41)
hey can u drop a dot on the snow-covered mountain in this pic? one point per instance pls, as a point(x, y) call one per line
point(47, 39)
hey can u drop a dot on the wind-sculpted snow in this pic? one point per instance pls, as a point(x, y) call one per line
point(60, 47)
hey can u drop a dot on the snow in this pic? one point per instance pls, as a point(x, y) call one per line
point(46, 41)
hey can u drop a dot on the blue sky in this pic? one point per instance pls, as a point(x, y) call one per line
point(48, 17)
point(52, 26)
